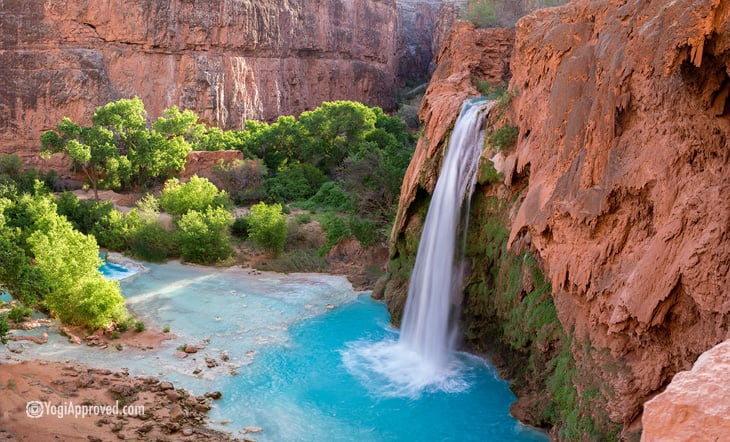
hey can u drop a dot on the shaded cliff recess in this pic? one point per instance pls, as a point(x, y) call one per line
point(598, 241)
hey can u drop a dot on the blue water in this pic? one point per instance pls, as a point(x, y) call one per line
point(298, 362)
point(304, 391)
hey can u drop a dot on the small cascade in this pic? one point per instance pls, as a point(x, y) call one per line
point(429, 327)
point(423, 358)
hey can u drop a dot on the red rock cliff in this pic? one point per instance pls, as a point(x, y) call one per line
point(624, 125)
point(228, 60)
point(624, 129)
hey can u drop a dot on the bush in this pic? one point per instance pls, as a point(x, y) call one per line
point(504, 137)
point(204, 235)
point(151, 242)
point(139, 326)
point(18, 314)
point(267, 227)
point(364, 230)
point(239, 228)
point(197, 194)
point(243, 180)
point(296, 182)
point(113, 230)
point(335, 229)
point(10, 165)
point(4, 329)
point(329, 197)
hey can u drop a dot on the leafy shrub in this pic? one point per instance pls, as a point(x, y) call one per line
point(114, 229)
point(149, 241)
point(204, 235)
point(10, 165)
point(197, 194)
point(365, 231)
point(267, 227)
point(4, 329)
point(504, 137)
point(296, 182)
point(243, 180)
point(481, 13)
point(335, 229)
point(18, 314)
point(239, 228)
point(70, 260)
point(330, 197)
point(139, 326)
point(303, 218)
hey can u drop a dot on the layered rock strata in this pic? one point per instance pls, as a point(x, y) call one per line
point(229, 60)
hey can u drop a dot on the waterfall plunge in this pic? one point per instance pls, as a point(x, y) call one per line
point(423, 358)
point(429, 327)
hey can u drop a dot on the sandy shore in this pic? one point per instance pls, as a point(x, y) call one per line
point(154, 410)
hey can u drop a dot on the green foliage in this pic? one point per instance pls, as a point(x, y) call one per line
point(118, 150)
point(330, 196)
point(139, 326)
point(303, 218)
point(243, 180)
point(10, 165)
point(295, 182)
point(79, 293)
point(365, 231)
point(297, 261)
point(239, 228)
point(505, 137)
point(216, 139)
point(4, 329)
point(267, 227)
point(334, 128)
point(151, 242)
point(335, 230)
point(166, 329)
point(481, 13)
point(18, 314)
point(488, 175)
point(502, 13)
point(197, 194)
point(204, 235)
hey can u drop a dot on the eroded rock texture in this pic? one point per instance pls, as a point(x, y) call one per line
point(624, 123)
point(696, 404)
point(229, 60)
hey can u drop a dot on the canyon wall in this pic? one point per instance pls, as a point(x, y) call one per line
point(229, 60)
point(617, 185)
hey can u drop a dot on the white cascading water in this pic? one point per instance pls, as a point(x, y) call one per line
point(423, 357)
point(428, 326)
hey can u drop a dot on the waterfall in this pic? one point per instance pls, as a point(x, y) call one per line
point(423, 358)
point(429, 324)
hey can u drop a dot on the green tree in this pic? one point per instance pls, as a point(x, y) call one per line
point(335, 128)
point(204, 235)
point(69, 261)
point(91, 149)
point(267, 227)
point(197, 194)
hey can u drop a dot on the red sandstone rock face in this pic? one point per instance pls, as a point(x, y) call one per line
point(228, 60)
point(696, 404)
point(624, 125)
point(624, 129)
point(201, 163)
point(467, 53)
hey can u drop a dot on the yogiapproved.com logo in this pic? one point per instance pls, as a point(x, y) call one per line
point(37, 409)
point(34, 409)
